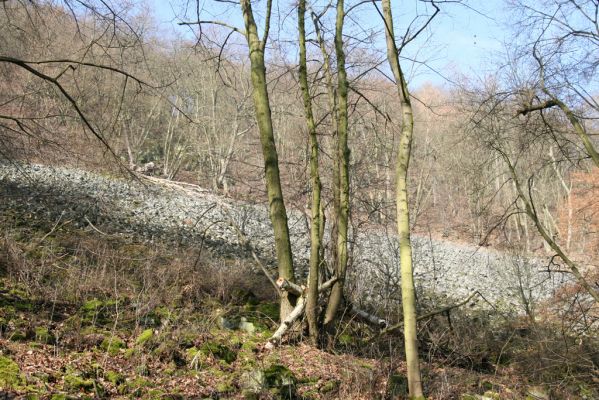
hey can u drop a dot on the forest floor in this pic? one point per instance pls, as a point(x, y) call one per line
point(86, 315)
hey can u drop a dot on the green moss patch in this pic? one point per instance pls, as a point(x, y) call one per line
point(112, 345)
point(219, 351)
point(144, 337)
point(10, 374)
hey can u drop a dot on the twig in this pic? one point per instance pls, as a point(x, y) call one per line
point(94, 228)
point(428, 315)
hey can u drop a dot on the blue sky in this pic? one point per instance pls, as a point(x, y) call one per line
point(461, 40)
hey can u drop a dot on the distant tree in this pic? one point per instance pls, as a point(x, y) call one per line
point(48, 83)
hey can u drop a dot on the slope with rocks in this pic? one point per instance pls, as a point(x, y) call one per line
point(189, 215)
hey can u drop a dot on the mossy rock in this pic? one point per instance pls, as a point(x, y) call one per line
point(195, 358)
point(144, 337)
point(18, 336)
point(280, 380)
point(129, 353)
point(96, 312)
point(330, 386)
point(92, 306)
point(43, 335)
point(112, 345)
point(10, 374)
point(74, 382)
point(136, 387)
point(490, 395)
point(219, 351)
point(187, 340)
point(537, 393)
point(115, 378)
point(226, 386)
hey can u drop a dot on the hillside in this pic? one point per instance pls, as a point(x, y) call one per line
point(187, 215)
point(108, 291)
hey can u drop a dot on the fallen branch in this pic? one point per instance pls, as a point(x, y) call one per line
point(365, 316)
point(297, 312)
point(94, 228)
point(327, 285)
point(428, 315)
point(293, 288)
point(275, 339)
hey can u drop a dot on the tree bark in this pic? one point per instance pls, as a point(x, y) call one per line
point(343, 159)
point(276, 204)
point(315, 238)
point(408, 293)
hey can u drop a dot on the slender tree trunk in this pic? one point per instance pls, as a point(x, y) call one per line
point(408, 293)
point(579, 129)
point(278, 214)
point(336, 297)
point(315, 238)
point(532, 214)
point(332, 99)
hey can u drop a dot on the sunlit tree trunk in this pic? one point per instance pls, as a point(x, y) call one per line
point(276, 204)
point(342, 219)
point(408, 293)
point(315, 228)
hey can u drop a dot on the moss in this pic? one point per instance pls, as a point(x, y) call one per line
point(10, 374)
point(43, 335)
point(135, 387)
point(225, 386)
point(59, 396)
point(96, 311)
point(92, 305)
point(143, 369)
point(115, 378)
point(330, 386)
point(187, 339)
point(112, 345)
point(345, 339)
point(492, 395)
point(74, 383)
point(144, 337)
point(219, 351)
point(278, 376)
point(18, 336)
point(129, 353)
point(270, 310)
point(156, 394)
point(191, 353)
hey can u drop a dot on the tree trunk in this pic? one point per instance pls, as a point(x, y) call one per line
point(278, 214)
point(336, 297)
point(408, 293)
point(315, 238)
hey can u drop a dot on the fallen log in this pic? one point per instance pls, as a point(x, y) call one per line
point(365, 316)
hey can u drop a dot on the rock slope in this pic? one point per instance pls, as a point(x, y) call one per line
point(188, 215)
